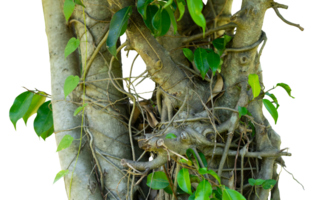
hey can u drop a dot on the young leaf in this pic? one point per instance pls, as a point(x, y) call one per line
point(201, 61)
point(118, 26)
point(271, 109)
point(157, 180)
point(65, 142)
point(47, 134)
point(218, 193)
point(183, 180)
point(286, 87)
point(255, 84)
point(71, 46)
point(60, 175)
point(168, 189)
point(20, 106)
point(70, 84)
point(204, 190)
point(192, 197)
point(80, 108)
point(251, 181)
point(195, 10)
point(181, 7)
point(274, 98)
point(189, 54)
point(187, 162)
point(259, 181)
point(68, 9)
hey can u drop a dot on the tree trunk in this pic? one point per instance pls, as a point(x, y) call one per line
point(186, 104)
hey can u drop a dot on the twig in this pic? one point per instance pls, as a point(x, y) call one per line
point(284, 20)
point(169, 180)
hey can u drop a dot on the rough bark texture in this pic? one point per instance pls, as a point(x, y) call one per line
point(187, 105)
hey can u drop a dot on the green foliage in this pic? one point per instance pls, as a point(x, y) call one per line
point(169, 2)
point(220, 44)
point(189, 54)
point(286, 87)
point(255, 84)
point(201, 61)
point(214, 61)
point(189, 153)
point(172, 18)
point(204, 161)
point(253, 128)
point(78, 2)
point(211, 172)
point(170, 136)
point(266, 184)
point(29, 103)
point(181, 7)
point(242, 111)
point(157, 180)
point(187, 162)
point(68, 9)
point(161, 22)
point(118, 26)
point(60, 175)
point(151, 11)
point(183, 180)
point(71, 46)
point(229, 194)
point(142, 7)
point(271, 110)
point(70, 84)
point(66, 142)
point(273, 98)
point(195, 9)
point(80, 108)
point(204, 190)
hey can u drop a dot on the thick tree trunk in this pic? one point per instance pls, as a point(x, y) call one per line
point(182, 97)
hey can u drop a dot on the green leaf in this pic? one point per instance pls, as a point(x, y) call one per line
point(46, 135)
point(80, 108)
point(44, 119)
point(251, 181)
point(271, 109)
point(286, 87)
point(168, 4)
point(151, 11)
point(189, 54)
point(181, 7)
point(70, 84)
point(60, 175)
point(195, 10)
point(20, 106)
point(161, 22)
point(68, 9)
point(183, 180)
point(229, 194)
point(268, 184)
point(37, 101)
point(172, 18)
point(189, 153)
point(71, 46)
point(214, 61)
point(201, 61)
point(118, 26)
point(192, 197)
point(204, 161)
point(242, 111)
point(78, 2)
point(187, 162)
point(255, 84)
point(157, 180)
point(168, 189)
point(204, 190)
point(273, 98)
point(66, 142)
point(218, 193)
point(142, 7)
point(259, 181)
point(219, 44)
point(211, 172)
point(170, 136)
point(227, 39)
